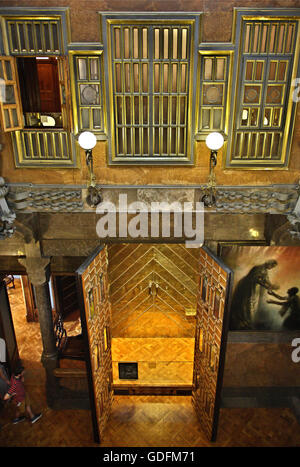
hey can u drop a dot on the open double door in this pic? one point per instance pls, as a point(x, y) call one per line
point(212, 319)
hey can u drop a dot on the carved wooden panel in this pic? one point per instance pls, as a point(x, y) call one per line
point(210, 340)
point(96, 322)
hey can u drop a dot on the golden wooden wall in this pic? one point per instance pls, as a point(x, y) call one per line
point(151, 287)
point(211, 309)
point(161, 361)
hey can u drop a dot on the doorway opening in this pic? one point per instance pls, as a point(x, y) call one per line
point(40, 91)
point(19, 320)
point(20, 326)
point(130, 295)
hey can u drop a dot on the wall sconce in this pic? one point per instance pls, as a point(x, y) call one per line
point(87, 141)
point(214, 141)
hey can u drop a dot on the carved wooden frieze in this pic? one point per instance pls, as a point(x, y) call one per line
point(272, 199)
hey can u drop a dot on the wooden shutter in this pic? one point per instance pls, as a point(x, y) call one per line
point(10, 100)
point(210, 340)
point(65, 92)
point(96, 325)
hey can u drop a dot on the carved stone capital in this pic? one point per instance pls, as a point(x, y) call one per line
point(38, 269)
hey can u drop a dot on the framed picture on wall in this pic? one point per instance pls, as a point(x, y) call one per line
point(91, 303)
point(266, 288)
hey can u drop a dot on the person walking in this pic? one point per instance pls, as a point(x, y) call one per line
point(20, 397)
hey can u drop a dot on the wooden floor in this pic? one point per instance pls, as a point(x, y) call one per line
point(147, 421)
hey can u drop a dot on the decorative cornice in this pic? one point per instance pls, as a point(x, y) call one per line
point(272, 199)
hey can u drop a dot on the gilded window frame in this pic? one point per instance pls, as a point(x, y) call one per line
point(162, 18)
point(267, 14)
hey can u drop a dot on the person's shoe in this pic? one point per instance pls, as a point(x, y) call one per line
point(18, 420)
point(35, 418)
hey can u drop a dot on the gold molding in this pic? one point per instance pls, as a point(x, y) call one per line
point(264, 164)
point(189, 137)
point(75, 105)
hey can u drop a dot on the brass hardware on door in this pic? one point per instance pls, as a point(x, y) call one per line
point(153, 288)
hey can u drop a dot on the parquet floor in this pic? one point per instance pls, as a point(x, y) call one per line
point(147, 421)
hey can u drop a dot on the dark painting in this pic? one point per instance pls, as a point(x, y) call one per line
point(266, 287)
point(128, 370)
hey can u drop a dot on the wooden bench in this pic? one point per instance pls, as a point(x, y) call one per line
point(70, 373)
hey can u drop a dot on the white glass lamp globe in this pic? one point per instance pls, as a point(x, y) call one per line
point(214, 141)
point(87, 140)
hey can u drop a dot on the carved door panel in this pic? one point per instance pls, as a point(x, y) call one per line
point(93, 288)
point(212, 318)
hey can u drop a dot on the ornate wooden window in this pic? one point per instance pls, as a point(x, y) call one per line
point(263, 122)
point(150, 63)
point(32, 35)
point(88, 99)
point(214, 71)
point(38, 145)
point(40, 137)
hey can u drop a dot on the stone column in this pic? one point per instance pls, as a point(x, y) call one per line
point(38, 272)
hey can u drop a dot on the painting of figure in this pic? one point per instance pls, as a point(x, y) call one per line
point(266, 287)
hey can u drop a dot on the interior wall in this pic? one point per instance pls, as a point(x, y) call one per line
point(152, 286)
point(260, 365)
point(216, 27)
point(161, 361)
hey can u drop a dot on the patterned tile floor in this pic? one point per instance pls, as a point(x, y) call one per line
point(147, 421)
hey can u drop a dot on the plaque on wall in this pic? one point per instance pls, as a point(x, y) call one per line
point(128, 370)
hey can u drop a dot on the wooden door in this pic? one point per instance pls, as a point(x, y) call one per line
point(32, 313)
point(7, 331)
point(48, 85)
point(93, 288)
point(212, 318)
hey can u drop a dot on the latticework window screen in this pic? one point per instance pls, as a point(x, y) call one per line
point(151, 85)
point(214, 71)
point(268, 50)
point(26, 36)
point(88, 85)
